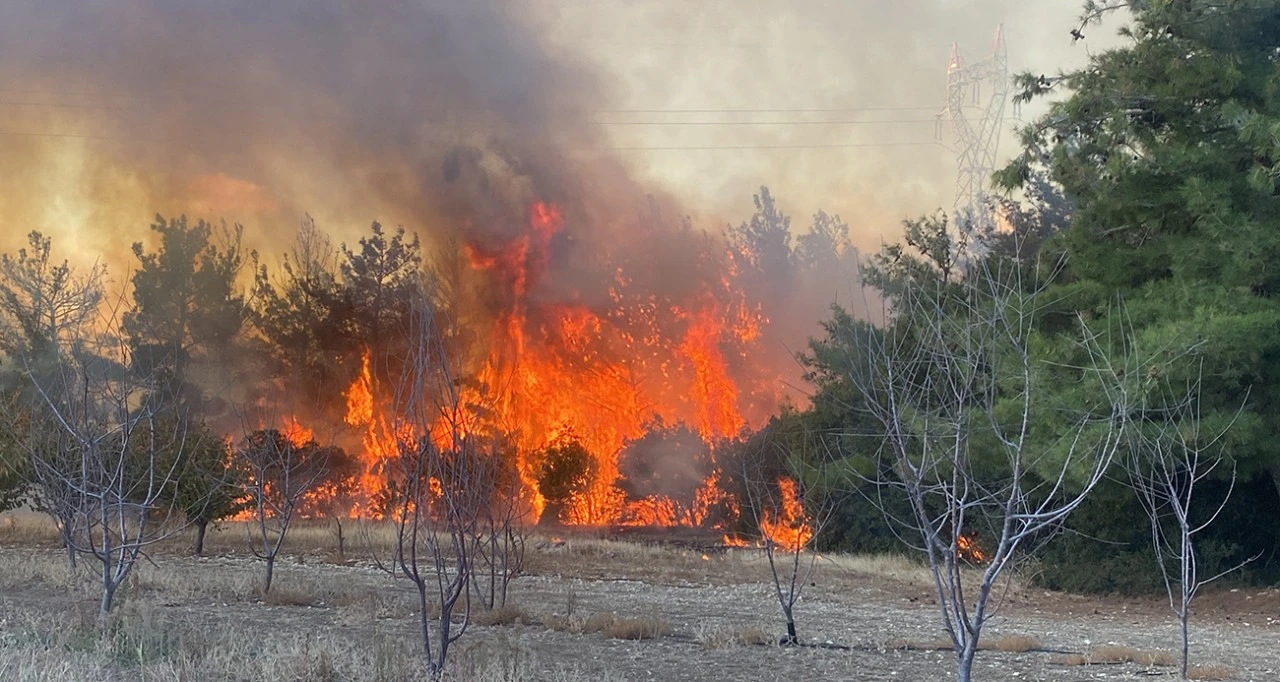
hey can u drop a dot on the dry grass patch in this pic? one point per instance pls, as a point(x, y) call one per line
point(918, 645)
point(1209, 672)
point(1012, 644)
point(892, 566)
point(1113, 654)
point(649, 627)
point(724, 637)
point(610, 625)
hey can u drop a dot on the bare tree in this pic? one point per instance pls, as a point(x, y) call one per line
point(46, 309)
point(503, 531)
point(787, 515)
point(281, 472)
point(107, 452)
point(789, 522)
point(1170, 459)
point(458, 506)
point(964, 407)
point(442, 484)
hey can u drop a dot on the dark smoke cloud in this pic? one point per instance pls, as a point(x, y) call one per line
point(426, 113)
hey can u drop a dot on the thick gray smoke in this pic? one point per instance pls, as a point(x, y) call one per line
point(422, 112)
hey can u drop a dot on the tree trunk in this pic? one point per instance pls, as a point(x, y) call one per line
point(271, 569)
point(109, 585)
point(437, 666)
point(71, 550)
point(108, 595)
point(201, 525)
point(1186, 641)
point(425, 622)
point(342, 540)
point(791, 639)
point(964, 663)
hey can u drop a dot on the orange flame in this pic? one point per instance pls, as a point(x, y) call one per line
point(296, 433)
point(790, 529)
point(967, 549)
point(599, 368)
point(380, 440)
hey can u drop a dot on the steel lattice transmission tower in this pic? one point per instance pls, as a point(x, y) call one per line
point(976, 97)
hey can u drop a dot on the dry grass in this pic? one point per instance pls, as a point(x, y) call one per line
point(1209, 672)
point(891, 566)
point(286, 596)
point(141, 644)
point(726, 637)
point(610, 625)
point(1012, 644)
point(648, 627)
point(1113, 654)
point(918, 645)
point(507, 614)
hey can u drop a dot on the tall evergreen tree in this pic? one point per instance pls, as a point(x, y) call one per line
point(1167, 150)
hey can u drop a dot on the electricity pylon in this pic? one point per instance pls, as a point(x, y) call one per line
point(976, 96)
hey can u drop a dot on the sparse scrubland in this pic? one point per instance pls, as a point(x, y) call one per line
point(590, 608)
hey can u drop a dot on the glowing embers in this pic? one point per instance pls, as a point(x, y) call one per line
point(968, 549)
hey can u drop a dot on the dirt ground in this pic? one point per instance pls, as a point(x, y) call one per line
point(854, 617)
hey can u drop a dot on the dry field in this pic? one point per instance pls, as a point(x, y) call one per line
point(590, 609)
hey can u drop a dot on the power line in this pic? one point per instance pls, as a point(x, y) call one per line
point(24, 133)
point(62, 105)
point(855, 145)
point(803, 110)
point(622, 148)
point(773, 123)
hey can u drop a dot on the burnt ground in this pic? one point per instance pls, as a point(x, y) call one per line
point(854, 617)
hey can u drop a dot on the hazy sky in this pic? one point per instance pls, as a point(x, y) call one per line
point(724, 55)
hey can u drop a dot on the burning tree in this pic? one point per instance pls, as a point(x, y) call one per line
point(972, 435)
point(210, 487)
point(665, 475)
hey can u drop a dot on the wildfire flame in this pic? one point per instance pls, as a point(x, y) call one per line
point(599, 371)
point(379, 439)
point(790, 529)
point(296, 433)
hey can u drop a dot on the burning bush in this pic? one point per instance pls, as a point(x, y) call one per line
point(565, 477)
